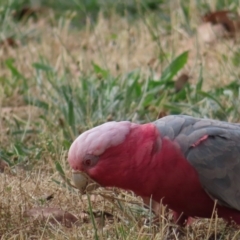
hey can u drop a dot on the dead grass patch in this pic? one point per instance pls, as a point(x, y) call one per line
point(118, 46)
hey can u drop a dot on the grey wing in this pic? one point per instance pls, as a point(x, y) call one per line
point(215, 158)
point(217, 161)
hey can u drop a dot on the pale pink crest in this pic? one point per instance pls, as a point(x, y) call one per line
point(96, 140)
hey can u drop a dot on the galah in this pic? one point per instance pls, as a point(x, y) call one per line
point(192, 165)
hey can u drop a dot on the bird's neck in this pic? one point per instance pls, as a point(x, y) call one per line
point(143, 144)
point(151, 166)
point(165, 172)
point(156, 163)
point(128, 163)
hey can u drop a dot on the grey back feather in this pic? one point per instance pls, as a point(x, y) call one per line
point(216, 159)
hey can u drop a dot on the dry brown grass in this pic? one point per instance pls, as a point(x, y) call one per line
point(25, 190)
point(118, 46)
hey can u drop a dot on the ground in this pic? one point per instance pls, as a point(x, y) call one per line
point(62, 73)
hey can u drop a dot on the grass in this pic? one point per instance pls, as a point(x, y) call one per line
point(77, 65)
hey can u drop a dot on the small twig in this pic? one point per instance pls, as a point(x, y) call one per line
point(110, 199)
point(92, 217)
point(213, 212)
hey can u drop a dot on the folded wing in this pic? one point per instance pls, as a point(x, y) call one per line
point(213, 149)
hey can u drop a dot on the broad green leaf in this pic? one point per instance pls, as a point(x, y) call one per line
point(37, 103)
point(59, 168)
point(176, 65)
point(43, 67)
point(10, 64)
point(200, 81)
point(98, 70)
point(210, 96)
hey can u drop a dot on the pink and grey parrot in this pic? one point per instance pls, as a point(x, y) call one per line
point(184, 162)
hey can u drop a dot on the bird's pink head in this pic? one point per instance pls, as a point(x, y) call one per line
point(86, 152)
point(111, 152)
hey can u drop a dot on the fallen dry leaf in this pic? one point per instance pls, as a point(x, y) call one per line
point(226, 18)
point(218, 24)
point(8, 42)
point(101, 217)
point(3, 165)
point(49, 197)
point(152, 62)
point(53, 215)
point(181, 82)
point(209, 33)
point(162, 113)
point(26, 12)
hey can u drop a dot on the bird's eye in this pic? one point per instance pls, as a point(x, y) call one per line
point(87, 162)
point(90, 160)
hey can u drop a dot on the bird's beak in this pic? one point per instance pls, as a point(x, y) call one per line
point(80, 180)
point(83, 182)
